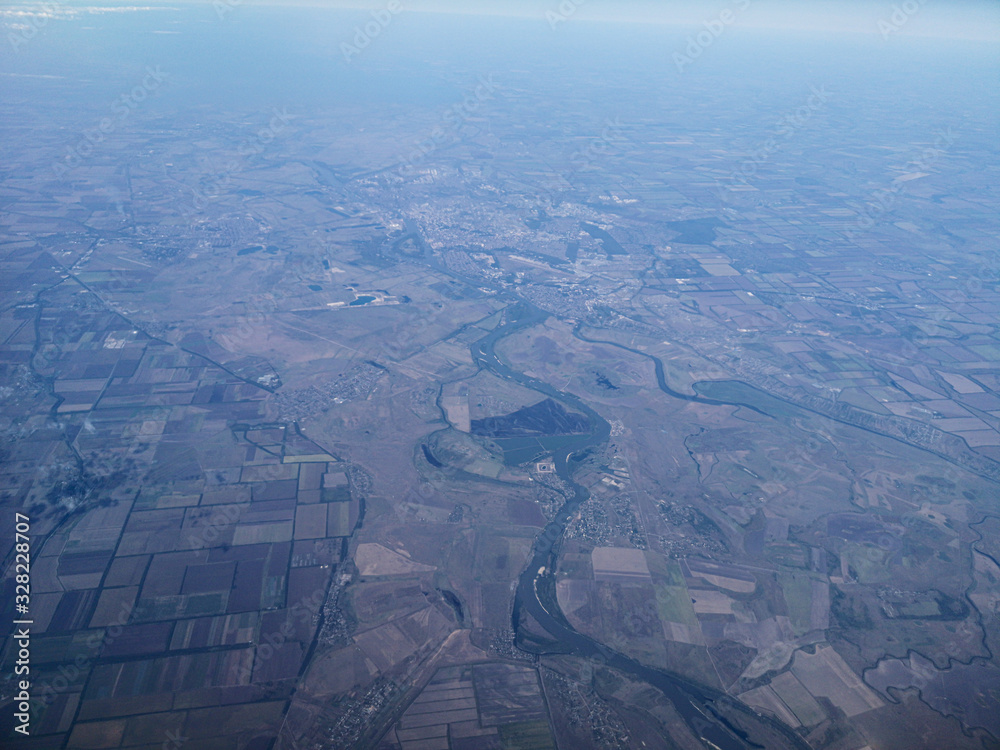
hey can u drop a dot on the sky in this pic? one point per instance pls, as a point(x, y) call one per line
point(964, 18)
point(977, 20)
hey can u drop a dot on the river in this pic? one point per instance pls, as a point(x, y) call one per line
point(696, 704)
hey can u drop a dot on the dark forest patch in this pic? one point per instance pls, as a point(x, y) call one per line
point(547, 417)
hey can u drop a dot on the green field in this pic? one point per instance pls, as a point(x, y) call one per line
point(526, 735)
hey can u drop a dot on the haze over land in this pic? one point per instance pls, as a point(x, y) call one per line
point(518, 376)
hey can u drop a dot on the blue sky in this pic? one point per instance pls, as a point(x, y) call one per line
point(958, 19)
point(974, 19)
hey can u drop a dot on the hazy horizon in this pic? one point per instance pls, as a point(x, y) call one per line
point(414, 374)
point(973, 20)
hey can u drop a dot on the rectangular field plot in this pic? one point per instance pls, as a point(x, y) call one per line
point(507, 694)
point(445, 708)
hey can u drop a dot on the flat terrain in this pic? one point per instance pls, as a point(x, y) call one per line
point(284, 398)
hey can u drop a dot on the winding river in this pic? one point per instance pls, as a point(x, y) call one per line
point(696, 704)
